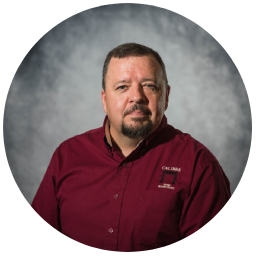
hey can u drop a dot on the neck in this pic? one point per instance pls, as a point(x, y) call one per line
point(123, 143)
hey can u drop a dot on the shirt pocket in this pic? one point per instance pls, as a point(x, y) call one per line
point(158, 219)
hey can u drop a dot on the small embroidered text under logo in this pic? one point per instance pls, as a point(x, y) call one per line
point(168, 186)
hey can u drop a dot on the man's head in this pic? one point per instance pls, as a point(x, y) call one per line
point(135, 90)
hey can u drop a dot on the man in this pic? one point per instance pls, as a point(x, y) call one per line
point(136, 183)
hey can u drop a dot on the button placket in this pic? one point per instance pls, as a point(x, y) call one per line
point(120, 181)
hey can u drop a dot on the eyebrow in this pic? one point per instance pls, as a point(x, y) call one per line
point(127, 81)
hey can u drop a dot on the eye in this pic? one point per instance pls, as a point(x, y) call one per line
point(151, 85)
point(121, 86)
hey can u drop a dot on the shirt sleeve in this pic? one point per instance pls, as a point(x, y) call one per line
point(209, 192)
point(45, 220)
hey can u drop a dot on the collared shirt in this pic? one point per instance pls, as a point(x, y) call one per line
point(166, 189)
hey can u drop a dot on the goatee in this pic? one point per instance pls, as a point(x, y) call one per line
point(141, 130)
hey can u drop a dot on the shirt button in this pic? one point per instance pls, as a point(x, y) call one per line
point(116, 196)
point(124, 164)
point(111, 230)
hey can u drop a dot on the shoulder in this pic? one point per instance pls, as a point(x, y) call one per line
point(184, 143)
point(81, 142)
point(195, 156)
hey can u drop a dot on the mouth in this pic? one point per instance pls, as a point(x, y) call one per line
point(137, 113)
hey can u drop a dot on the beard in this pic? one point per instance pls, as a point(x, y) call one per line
point(139, 130)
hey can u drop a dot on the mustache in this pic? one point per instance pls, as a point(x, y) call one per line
point(142, 108)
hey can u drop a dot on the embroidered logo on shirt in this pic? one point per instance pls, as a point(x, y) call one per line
point(166, 173)
point(171, 168)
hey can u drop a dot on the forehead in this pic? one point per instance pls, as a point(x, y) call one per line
point(133, 66)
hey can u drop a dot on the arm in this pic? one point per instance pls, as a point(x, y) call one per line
point(209, 192)
point(45, 221)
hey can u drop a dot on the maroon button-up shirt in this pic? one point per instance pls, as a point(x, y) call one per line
point(166, 189)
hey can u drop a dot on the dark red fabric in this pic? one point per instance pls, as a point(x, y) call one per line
point(166, 189)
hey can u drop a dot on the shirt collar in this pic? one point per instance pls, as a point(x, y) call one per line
point(147, 141)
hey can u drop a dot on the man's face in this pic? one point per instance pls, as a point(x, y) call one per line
point(135, 96)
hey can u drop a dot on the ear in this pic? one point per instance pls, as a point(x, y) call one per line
point(167, 96)
point(103, 99)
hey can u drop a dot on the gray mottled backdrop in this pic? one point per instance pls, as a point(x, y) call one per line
point(55, 93)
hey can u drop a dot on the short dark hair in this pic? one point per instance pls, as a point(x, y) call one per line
point(131, 49)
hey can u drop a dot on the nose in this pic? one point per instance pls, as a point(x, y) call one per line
point(136, 94)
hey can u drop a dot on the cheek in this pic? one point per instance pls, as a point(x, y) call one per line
point(116, 105)
point(119, 106)
point(161, 105)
